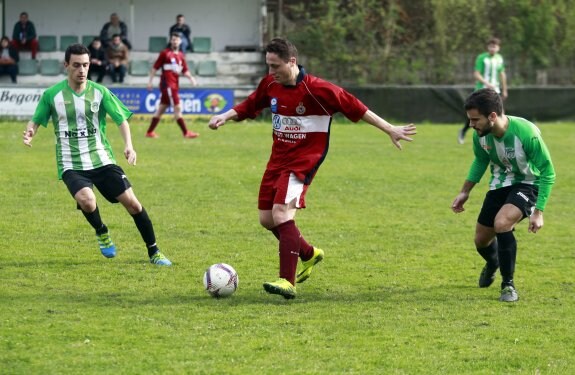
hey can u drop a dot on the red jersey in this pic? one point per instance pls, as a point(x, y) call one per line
point(172, 63)
point(301, 120)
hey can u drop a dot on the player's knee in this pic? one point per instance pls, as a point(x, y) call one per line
point(503, 224)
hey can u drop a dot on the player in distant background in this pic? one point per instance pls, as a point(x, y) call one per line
point(489, 72)
point(522, 175)
point(173, 62)
point(78, 109)
point(302, 107)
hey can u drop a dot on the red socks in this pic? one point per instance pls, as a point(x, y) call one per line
point(153, 124)
point(182, 125)
point(292, 245)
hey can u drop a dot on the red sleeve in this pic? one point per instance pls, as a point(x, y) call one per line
point(160, 60)
point(257, 100)
point(339, 100)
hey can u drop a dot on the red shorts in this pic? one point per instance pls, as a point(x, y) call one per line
point(170, 96)
point(281, 187)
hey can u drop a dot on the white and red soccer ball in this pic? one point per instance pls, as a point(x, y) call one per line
point(221, 280)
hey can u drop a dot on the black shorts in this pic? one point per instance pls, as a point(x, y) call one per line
point(522, 196)
point(109, 179)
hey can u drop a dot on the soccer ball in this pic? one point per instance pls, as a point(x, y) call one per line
point(221, 280)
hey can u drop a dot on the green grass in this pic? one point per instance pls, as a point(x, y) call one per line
point(396, 293)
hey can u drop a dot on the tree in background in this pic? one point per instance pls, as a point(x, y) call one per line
point(432, 41)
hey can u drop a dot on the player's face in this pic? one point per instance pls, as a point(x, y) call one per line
point(481, 124)
point(175, 42)
point(281, 70)
point(78, 68)
point(492, 48)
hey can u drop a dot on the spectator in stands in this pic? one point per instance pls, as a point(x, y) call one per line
point(115, 26)
point(117, 55)
point(24, 35)
point(184, 31)
point(8, 59)
point(98, 63)
point(172, 62)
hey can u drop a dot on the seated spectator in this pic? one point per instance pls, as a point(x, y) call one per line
point(98, 63)
point(115, 26)
point(184, 30)
point(117, 56)
point(24, 35)
point(8, 59)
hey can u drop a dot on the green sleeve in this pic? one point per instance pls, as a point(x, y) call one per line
point(479, 164)
point(43, 111)
point(539, 156)
point(479, 63)
point(115, 108)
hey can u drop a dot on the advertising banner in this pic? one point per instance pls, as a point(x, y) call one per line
point(21, 102)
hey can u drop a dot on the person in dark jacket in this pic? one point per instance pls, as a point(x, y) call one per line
point(115, 26)
point(8, 59)
point(24, 35)
point(184, 30)
point(98, 62)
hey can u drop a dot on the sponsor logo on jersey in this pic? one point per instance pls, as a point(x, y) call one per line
point(274, 105)
point(510, 153)
point(83, 133)
point(277, 121)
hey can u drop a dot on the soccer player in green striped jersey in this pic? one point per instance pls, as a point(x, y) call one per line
point(84, 157)
point(489, 72)
point(522, 175)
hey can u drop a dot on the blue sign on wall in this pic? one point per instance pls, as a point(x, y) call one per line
point(194, 101)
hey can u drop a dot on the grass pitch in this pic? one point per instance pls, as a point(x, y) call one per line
point(396, 292)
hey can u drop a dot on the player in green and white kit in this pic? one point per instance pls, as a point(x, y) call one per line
point(489, 72)
point(78, 109)
point(522, 175)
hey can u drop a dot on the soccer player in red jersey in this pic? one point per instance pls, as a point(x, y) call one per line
point(173, 62)
point(302, 107)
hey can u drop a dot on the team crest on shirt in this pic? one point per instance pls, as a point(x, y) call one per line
point(510, 153)
point(274, 105)
point(95, 106)
point(300, 109)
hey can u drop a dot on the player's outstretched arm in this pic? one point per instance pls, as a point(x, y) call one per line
point(129, 151)
point(396, 133)
point(219, 120)
point(29, 133)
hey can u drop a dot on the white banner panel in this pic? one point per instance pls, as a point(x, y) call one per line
point(19, 101)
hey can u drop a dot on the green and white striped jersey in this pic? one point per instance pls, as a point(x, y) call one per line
point(80, 124)
point(519, 157)
point(490, 67)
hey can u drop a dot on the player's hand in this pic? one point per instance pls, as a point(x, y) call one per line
point(399, 133)
point(216, 122)
point(130, 155)
point(457, 205)
point(193, 81)
point(149, 87)
point(27, 137)
point(535, 221)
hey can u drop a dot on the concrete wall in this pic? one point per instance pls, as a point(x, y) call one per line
point(227, 22)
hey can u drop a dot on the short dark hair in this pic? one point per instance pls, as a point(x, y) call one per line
point(283, 48)
point(75, 49)
point(24, 14)
point(179, 15)
point(495, 41)
point(176, 34)
point(485, 101)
